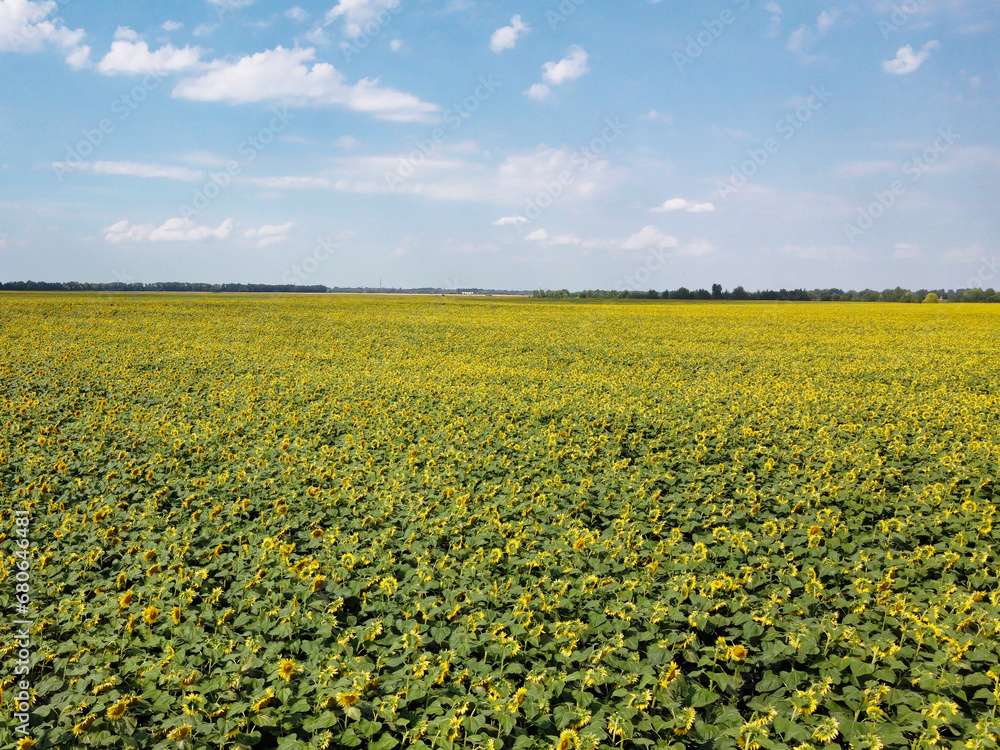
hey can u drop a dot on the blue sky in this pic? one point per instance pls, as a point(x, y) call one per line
point(464, 143)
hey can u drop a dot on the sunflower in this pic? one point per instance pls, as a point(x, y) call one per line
point(118, 709)
point(179, 733)
point(125, 599)
point(827, 730)
point(286, 670)
point(25, 742)
point(737, 653)
point(262, 702)
point(84, 725)
point(317, 533)
point(149, 614)
point(348, 699)
point(670, 676)
point(347, 560)
point(175, 615)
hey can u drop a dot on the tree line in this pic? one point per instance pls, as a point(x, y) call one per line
point(785, 295)
point(683, 293)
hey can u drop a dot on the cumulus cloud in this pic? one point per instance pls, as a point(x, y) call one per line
point(674, 204)
point(291, 76)
point(806, 35)
point(647, 237)
point(543, 237)
point(505, 221)
point(130, 55)
point(132, 169)
point(506, 36)
point(356, 13)
point(269, 234)
point(571, 67)
point(172, 230)
point(297, 14)
point(907, 61)
point(25, 27)
point(680, 204)
point(171, 26)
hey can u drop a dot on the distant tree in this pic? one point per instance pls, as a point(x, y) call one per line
point(932, 298)
point(716, 291)
point(682, 293)
point(739, 293)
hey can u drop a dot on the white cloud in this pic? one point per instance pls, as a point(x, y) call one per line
point(130, 55)
point(133, 169)
point(674, 204)
point(396, 45)
point(775, 26)
point(702, 208)
point(454, 173)
point(538, 91)
point(269, 230)
point(506, 36)
point(269, 234)
point(172, 230)
point(804, 35)
point(656, 116)
point(297, 14)
point(679, 204)
point(285, 75)
point(288, 183)
point(346, 141)
point(25, 27)
point(356, 13)
point(224, 5)
point(826, 20)
point(542, 236)
point(171, 26)
point(797, 40)
point(906, 61)
point(569, 68)
point(504, 221)
point(648, 236)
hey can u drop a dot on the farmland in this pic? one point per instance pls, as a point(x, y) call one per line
point(395, 522)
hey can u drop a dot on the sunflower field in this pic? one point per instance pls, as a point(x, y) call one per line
point(436, 522)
